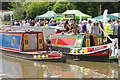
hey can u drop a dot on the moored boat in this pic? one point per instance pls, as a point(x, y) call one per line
point(27, 45)
point(83, 46)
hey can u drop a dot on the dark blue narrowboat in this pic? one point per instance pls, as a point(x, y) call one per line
point(22, 41)
point(29, 45)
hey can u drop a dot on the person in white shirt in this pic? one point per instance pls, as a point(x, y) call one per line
point(58, 24)
point(47, 23)
point(116, 28)
point(95, 28)
point(15, 23)
point(80, 26)
point(27, 24)
point(62, 23)
point(89, 26)
point(36, 25)
point(23, 22)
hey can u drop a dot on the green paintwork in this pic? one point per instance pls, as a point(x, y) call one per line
point(112, 57)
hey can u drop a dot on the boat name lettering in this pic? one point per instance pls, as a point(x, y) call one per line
point(98, 48)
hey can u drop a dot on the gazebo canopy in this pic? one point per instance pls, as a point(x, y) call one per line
point(108, 16)
point(116, 14)
point(77, 13)
point(48, 14)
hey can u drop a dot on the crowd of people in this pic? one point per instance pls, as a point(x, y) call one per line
point(36, 23)
point(84, 26)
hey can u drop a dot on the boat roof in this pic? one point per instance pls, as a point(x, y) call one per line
point(19, 31)
point(60, 34)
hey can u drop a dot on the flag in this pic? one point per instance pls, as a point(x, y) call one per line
point(80, 15)
point(105, 18)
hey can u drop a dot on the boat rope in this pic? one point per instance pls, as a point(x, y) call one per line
point(105, 33)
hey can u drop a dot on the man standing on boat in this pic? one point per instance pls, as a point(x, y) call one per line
point(109, 31)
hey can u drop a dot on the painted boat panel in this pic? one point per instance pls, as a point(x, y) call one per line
point(66, 41)
point(99, 53)
point(17, 41)
point(89, 50)
point(47, 56)
point(114, 49)
point(11, 41)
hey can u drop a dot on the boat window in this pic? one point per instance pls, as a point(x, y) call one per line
point(66, 41)
point(79, 42)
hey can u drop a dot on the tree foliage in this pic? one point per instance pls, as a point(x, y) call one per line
point(37, 8)
point(19, 9)
point(33, 9)
point(60, 7)
point(6, 5)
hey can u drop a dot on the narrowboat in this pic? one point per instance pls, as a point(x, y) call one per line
point(84, 46)
point(27, 45)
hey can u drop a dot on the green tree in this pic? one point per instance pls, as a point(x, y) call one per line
point(19, 9)
point(38, 8)
point(113, 7)
point(82, 6)
point(33, 9)
point(6, 5)
point(19, 14)
point(60, 7)
point(93, 9)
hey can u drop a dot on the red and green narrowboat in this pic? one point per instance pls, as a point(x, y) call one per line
point(84, 46)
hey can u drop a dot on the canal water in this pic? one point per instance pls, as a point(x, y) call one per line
point(20, 68)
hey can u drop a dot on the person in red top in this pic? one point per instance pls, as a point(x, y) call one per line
point(58, 31)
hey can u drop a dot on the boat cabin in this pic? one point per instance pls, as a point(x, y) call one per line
point(67, 41)
point(22, 41)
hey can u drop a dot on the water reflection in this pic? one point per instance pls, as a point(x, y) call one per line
point(18, 68)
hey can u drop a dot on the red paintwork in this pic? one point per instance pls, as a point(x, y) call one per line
point(54, 55)
point(10, 33)
point(21, 43)
point(66, 41)
point(97, 53)
point(10, 49)
point(96, 48)
point(111, 52)
point(53, 40)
